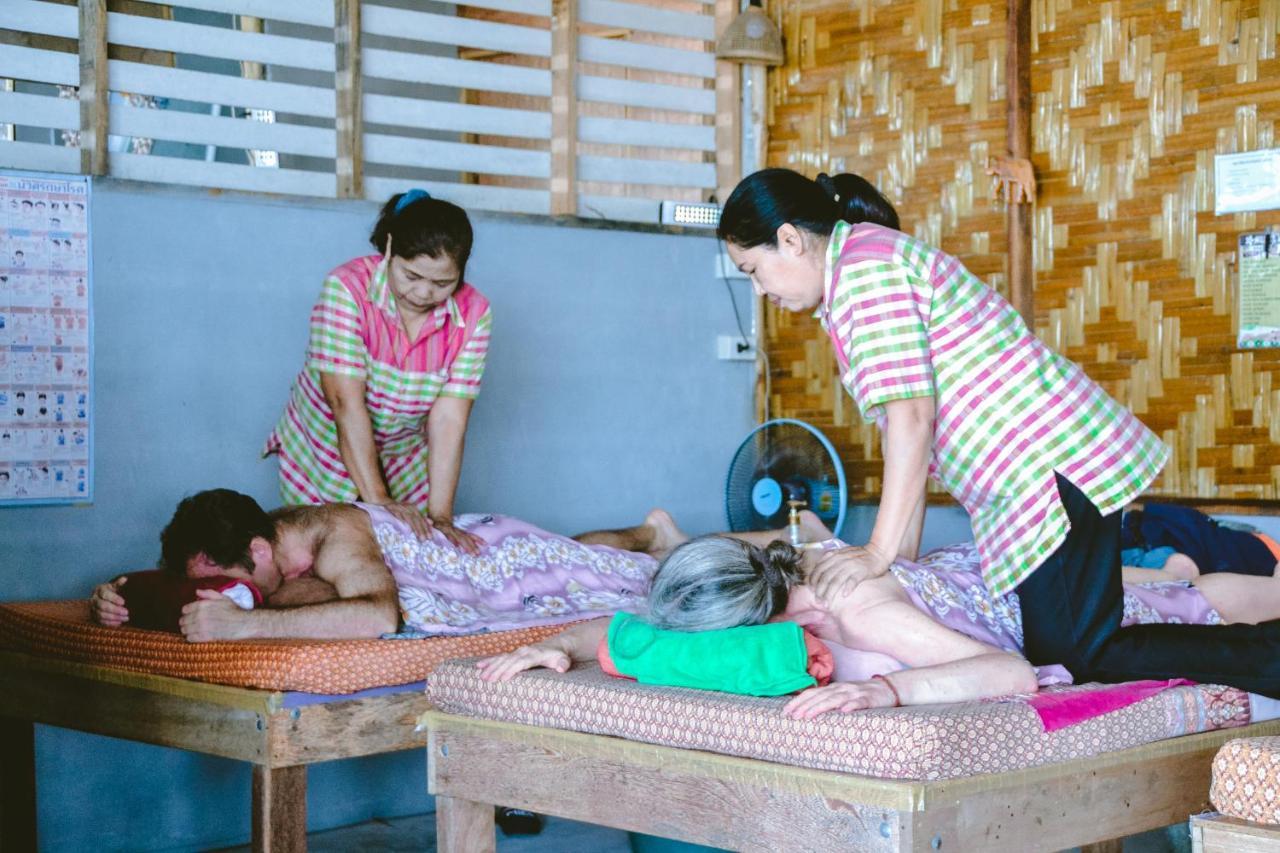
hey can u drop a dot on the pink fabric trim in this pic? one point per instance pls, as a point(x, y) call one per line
point(1059, 710)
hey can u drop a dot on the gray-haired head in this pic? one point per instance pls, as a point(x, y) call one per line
point(714, 582)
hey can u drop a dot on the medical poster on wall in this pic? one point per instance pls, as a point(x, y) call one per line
point(46, 394)
point(1259, 290)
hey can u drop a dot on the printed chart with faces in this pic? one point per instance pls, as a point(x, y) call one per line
point(45, 352)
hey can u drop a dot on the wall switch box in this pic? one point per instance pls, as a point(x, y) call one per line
point(732, 348)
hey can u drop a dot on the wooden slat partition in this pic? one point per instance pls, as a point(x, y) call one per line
point(1134, 277)
point(631, 121)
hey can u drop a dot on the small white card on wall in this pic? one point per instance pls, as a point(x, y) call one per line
point(1248, 181)
point(1259, 290)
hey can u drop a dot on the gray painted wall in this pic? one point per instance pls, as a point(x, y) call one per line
point(603, 398)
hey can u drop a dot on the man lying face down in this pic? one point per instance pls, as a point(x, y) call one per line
point(346, 571)
point(319, 568)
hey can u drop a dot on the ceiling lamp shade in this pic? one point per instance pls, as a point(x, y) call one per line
point(751, 38)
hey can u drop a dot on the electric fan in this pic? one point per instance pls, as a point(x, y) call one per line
point(779, 461)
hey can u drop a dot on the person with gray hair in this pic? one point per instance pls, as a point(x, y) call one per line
point(935, 632)
point(724, 581)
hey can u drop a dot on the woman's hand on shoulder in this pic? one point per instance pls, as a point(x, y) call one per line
point(842, 696)
point(411, 515)
point(507, 666)
point(458, 537)
point(838, 572)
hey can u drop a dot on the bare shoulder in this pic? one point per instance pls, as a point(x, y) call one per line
point(876, 592)
point(346, 550)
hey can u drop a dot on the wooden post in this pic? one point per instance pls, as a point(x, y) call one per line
point(17, 786)
point(93, 87)
point(728, 110)
point(1019, 214)
point(349, 116)
point(464, 826)
point(280, 809)
point(564, 107)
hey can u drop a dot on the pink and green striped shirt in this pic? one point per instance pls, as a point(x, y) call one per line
point(356, 332)
point(908, 320)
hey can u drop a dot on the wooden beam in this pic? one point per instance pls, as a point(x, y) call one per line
point(349, 123)
point(564, 108)
point(17, 786)
point(746, 804)
point(93, 87)
point(279, 809)
point(1018, 137)
point(728, 111)
point(464, 826)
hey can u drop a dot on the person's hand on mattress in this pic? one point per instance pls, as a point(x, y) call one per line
point(838, 572)
point(842, 696)
point(547, 654)
point(106, 605)
point(213, 616)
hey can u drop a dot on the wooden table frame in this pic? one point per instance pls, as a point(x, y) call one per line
point(746, 804)
point(211, 719)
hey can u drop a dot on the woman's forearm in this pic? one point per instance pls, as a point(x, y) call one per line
point(994, 674)
point(360, 454)
point(345, 396)
point(446, 440)
point(908, 444)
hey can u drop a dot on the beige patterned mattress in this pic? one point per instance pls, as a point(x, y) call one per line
point(922, 743)
point(1246, 779)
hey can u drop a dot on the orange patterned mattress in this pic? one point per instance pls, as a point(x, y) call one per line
point(1246, 779)
point(63, 630)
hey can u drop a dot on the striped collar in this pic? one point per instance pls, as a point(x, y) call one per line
point(380, 294)
point(835, 245)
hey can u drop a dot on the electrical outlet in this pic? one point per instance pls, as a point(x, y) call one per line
point(731, 348)
point(725, 267)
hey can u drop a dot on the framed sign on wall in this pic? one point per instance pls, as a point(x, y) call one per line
point(46, 340)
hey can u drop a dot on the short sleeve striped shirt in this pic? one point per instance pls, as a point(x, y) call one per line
point(908, 320)
point(357, 332)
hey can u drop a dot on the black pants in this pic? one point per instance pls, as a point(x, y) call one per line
point(1073, 602)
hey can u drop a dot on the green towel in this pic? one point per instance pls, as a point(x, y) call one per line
point(753, 660)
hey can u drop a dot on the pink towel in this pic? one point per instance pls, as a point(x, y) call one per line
point(1067, 708)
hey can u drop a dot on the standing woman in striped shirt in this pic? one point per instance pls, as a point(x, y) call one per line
point(1038, 454)
point(379, 412)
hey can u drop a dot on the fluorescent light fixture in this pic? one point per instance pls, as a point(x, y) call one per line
point(695, 214)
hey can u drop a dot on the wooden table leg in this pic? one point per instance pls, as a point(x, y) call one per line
point(464, 826)
point(17, 786)
point(280, 809)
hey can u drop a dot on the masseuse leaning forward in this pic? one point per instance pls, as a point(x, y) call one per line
point(1037, 453)
point(398, 340)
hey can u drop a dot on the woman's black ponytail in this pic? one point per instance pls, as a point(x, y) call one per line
point(766, 200)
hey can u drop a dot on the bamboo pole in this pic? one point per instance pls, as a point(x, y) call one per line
point(93, 87)
point(564, 108)
point(349, 123)
point(1019, 214)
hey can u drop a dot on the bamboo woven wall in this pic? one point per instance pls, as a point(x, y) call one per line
point(1135, 276)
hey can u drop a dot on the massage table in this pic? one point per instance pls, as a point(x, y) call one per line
point(281, 706)
point(730, 772)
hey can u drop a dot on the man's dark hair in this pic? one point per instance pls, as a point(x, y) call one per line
point(218, 523)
